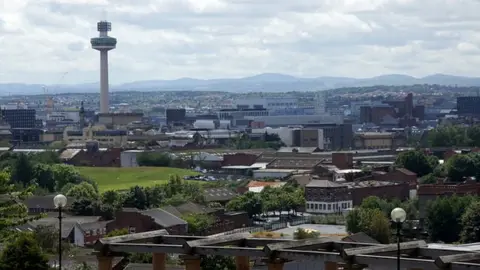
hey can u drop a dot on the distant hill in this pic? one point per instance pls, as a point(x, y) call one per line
point(267, 82)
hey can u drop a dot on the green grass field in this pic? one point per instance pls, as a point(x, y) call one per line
point(124, 178)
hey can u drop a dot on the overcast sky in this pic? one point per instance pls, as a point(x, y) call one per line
point(40, 40)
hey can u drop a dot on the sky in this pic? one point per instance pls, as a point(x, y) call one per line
point(48, 41)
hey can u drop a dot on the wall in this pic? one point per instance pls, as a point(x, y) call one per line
point(239, 159)
point(129, 159)
point(79, 239)
point(400, 191)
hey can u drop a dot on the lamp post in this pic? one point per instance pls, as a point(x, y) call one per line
point(60, 201)
point(398, 216)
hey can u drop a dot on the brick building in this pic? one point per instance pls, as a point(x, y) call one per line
point(239, 159)
point(148, 220)
point(325, 196)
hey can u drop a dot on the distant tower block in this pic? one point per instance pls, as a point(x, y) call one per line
point(104, 43)
point(320, 103)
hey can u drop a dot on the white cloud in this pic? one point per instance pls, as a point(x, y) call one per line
point(164, 39)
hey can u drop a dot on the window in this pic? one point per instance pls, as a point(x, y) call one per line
point(87, 233)
point(131, 229)
point(94, 232)
point(316, 206)
point(329, 207)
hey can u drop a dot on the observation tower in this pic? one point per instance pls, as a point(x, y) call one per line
point(104, 43)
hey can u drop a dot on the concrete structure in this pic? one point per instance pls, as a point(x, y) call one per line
point(106, 137)
point(333, 255)
point(104, 43)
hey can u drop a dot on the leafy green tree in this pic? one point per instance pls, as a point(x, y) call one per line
point(22, 171)
point(23, 254)
point(198, 223)
point(64, 174)
point(83, 190)
point(249, 202)
point(471, 224)
point(353, 221)
point(43, 174)
point(379, 227)
point(12, 212)
point(153, 159)
point(415, 161)
point(136, 198)
point(443, 218)
point(301, 233)
point(461, 166)
point(112, 197)
point(428, 179)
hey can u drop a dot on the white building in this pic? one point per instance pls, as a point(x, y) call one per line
point(271, 103)
point(295, 120)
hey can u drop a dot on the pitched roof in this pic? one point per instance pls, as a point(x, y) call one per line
point(45, 202)
point(219, 194)
point(262, 184)
point(360, 237)
point(323, 184)
point(406, 172)
point(163, 218)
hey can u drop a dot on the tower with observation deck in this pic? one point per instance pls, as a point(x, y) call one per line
point(104, 43)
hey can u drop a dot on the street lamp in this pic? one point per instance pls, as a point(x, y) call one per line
point(398, 216)
point(60, 201)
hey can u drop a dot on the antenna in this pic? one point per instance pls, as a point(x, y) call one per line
point(104, 15)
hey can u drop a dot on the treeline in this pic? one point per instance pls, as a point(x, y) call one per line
point(457, 168)
point(454, 135)
point(285, 198)
point(175, 192)
point(373, 217)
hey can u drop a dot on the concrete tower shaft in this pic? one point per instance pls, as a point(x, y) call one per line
point(104, 43)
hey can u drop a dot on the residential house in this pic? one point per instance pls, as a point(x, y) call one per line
point(86, 234)
point(43, 204)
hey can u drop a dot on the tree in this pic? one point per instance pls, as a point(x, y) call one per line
point(371, 221)
point(379, 227)
point(43, 175)
point(23, 254)
point(470, 224)
point(64, 174)
point(12, 212)
point(249, 202)
point(428, 179)
point(136, 198)
point(301, 233)
point(461, 166)
point(153, 159)
point(443, 218)
point(217, 263)
point(198, 223)
point(415, 161)
point(83, 191)
point(22, 171)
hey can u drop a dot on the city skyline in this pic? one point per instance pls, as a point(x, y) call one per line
point(43, 40)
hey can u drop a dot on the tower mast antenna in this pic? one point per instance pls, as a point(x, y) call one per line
point(104, 43)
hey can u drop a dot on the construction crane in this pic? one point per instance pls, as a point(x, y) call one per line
point(49, 103)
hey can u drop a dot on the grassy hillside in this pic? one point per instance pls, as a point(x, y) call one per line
point(124, 178)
